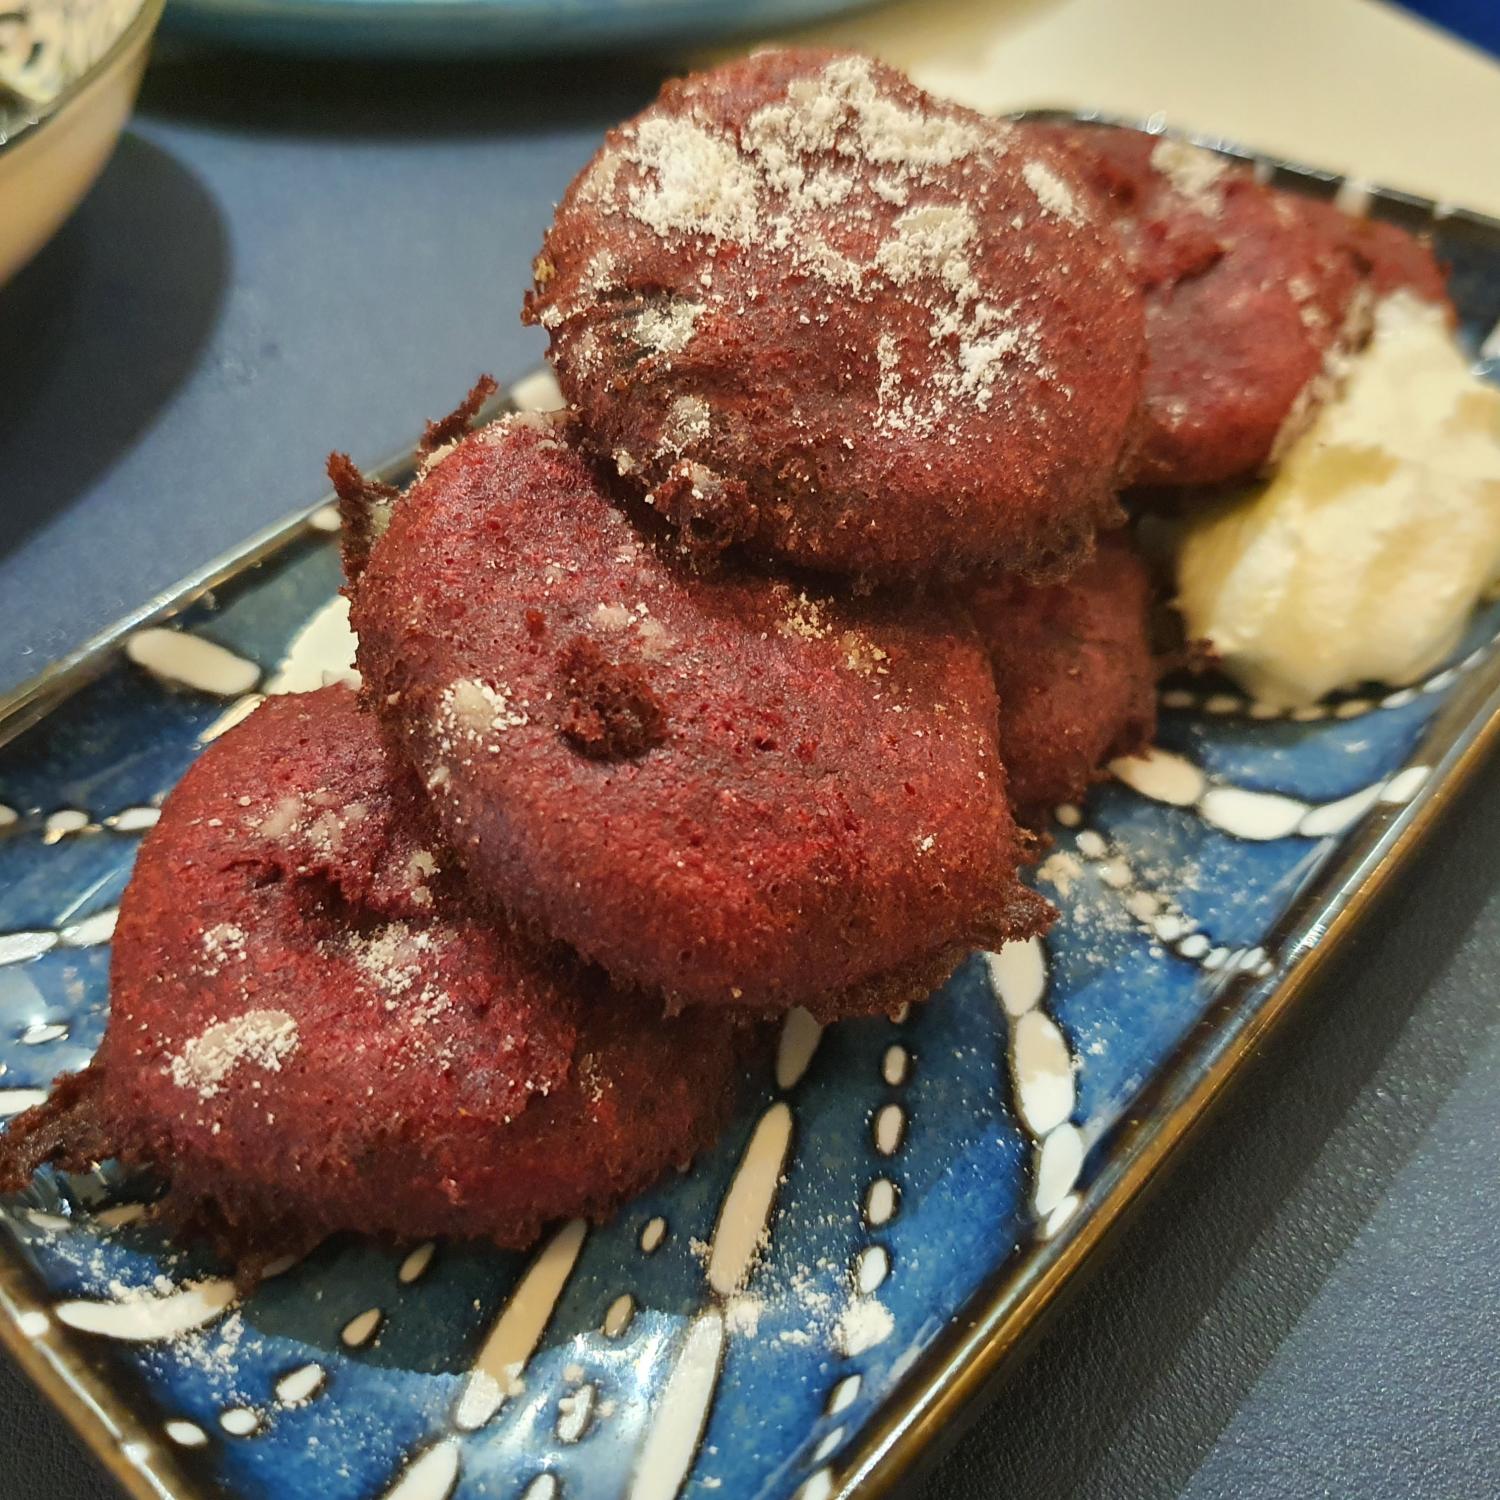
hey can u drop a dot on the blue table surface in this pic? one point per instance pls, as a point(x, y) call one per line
point(1476, 21)
point(286, 257)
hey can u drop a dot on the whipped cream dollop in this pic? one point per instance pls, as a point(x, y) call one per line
point(1362, 556)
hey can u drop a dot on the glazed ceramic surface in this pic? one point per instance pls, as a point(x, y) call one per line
point(894, 1205)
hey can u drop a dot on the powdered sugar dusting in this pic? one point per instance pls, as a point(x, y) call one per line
point(780, 184)
point(930, 242)
point(1193, 172)
point(991, 340)
point(865, 1322)
point(263, 1038)
point(888, 132)
point(223, 943)
point(476, 709)
point(666, 326)
point(687, 422)
point(1055, 196)
point(393, 958)
point(697, 183)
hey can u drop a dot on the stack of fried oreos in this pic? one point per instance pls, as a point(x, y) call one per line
point(734, 687)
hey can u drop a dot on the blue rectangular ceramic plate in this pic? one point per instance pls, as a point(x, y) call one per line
point(906, 1198)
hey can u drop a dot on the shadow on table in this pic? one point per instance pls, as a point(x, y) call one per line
point(99, 330)
point(1131, 1385)
point(405, 100)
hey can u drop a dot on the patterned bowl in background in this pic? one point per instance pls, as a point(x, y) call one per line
point(69, 74)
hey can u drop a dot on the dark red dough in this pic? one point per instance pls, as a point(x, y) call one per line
point(364, 504)
point(720, 790)
point(812, 309)
point(1250, 296)
point(1074, 673)
point(439, 1077)
point(1393, 259)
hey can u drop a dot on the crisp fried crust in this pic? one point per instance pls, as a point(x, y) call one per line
point(726, 790)
point(1252, 297)
point(314, 1028)
point(810, 309)
point(1074, 674)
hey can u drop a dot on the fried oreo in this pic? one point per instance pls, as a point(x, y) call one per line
point(313, 1027)
point(727, 790)
point(809, 309)
point(1253, 299)
point(1074, 672)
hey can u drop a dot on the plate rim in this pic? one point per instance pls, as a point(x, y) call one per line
point(1015, 1301)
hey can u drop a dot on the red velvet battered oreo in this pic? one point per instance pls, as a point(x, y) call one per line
point(810, 308)
point(723, 790)
point(1074, 673)
point(1392, 258)
point(1252, 295)
point(312, 1028)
